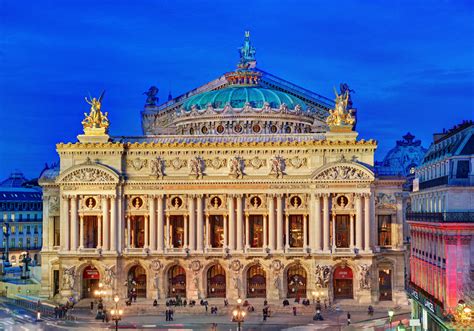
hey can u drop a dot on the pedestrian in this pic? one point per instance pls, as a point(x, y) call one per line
point(56, 312)
point(167, 315)
point(214, 327)
point(294, 311)
point(264, 314)
point(92, 305)
point(104, 313)
point(171, 315)
point(205, 305)
point(348, 318)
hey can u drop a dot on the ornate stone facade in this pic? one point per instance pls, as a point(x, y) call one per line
point(267, 214)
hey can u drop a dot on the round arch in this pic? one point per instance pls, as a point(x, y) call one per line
point(296, 281)
point(216, 281)
point(137, 281)
point(343, 282)
point(90, 276)
point(176, 281)
point(256, 281)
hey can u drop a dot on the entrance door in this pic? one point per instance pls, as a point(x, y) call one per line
point(385, 285)
point(90, 281)
point(343, 288)
point(216, 282)
point(177, 282)
point(256, 282)
point(296, 278)
point(342, 231)
point(137, 276)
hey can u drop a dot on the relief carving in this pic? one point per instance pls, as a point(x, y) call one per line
point(89, 175)
point(343, 173)
point(137, 163)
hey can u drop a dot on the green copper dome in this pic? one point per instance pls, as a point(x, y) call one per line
point(238, 96)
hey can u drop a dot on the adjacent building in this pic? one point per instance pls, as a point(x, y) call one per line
point(21, 209)
point(248, 186)
point(442, 231)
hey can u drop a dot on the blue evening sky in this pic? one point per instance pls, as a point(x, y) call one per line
point(410, 62)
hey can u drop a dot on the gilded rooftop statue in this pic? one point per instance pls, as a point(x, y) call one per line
point(340, 116)
point(95, 119)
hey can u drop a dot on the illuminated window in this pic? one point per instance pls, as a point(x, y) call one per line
point(12, 229)
point(28, 242)
point(385, 230)
point(20, 243)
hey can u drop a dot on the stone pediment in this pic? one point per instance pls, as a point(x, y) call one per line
point(343, 171)
point(88, 174)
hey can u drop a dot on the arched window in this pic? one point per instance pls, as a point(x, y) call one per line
point(216, 286)
point(256, 282)
point(296, 282)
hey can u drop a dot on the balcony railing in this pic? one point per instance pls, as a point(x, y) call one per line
point(434, 182)
point(446, 217)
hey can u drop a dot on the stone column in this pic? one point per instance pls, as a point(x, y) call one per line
point(287, 231)
point(152, 210)
point(247, 232)
point(271, 222)
point(74, 225)
point(367, 242)
point(226, 232)
point(129, 231)
point(200, 225)
point(168, 243)
point(208, 234)
point(186, 224)
point(231, 222)
point(99, 231)
point(192, 223)
point(359, 222)
point(120, 221)
point(317, 227)
point(326, 222)
point(105, 223)
point(113, 223)
point(64, 222)
point(240, 221)
point(81, 232)
point(147, 231)
point(265, 232)
point(279, 223)
point(351, 230)
point(399, 221)
point(312, 222)
point(46, 224)
point(305, 233)
point(333, 241)
point(160, 224)
point(374, 227)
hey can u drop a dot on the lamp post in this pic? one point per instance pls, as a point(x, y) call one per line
point(238, 315)
point(116, 313)
point(390, 317)
point(100, 306)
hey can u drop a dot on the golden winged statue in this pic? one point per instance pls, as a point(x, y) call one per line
point(95, 119)
point(340, 116)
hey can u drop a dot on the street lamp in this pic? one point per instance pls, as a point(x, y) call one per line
point(116, 313)
point(100, 306)
point(390, 316)
point(238, 315)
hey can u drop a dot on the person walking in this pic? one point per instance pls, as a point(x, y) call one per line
point(348, 318)
point(294, 311)
point(167, 314)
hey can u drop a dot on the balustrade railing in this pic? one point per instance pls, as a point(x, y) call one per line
point(441, 217)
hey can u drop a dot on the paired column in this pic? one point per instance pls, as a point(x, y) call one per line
point(240, 221)
point(367, 222)
point(74, 225)
point(247, 232)
point(265, 232)
point(271, 222)
point(226, 231)
point(208, 235)
point(359, 222)
point(99, 231)
point(317, 226)
point(105, 223)
point(129, 232)
point(113, 224)
point(186, 224)
point(147, 231)
point(305, 232)
point(287, 231)
point(160, 223)
point(200, 225)
point(326, 222)
point(279, 223)
point(192, 223)
point(351, 230)
point(152, 208)
point(64, 222)
point(231, 222)
point(168, 234)
point(81, 232)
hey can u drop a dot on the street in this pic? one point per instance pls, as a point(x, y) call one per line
point(16, 318)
